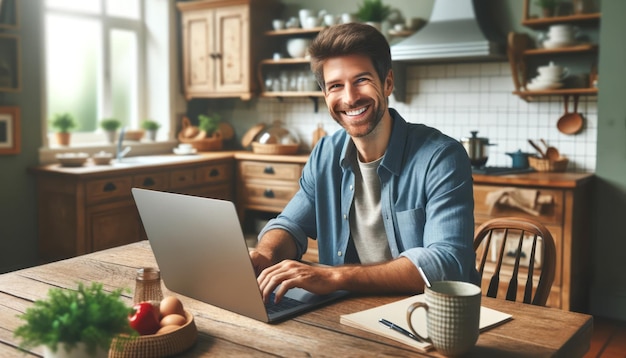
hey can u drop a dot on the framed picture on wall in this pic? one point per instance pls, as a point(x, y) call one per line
point(9, 63)
point(8, 14)
point(9, 130)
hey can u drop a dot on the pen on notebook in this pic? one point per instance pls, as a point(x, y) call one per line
point(423, 276)
point(397, 328)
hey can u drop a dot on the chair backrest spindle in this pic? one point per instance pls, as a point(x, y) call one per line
point(500, 235)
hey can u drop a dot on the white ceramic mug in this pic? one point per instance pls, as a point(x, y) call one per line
point(452, 316)
point(303, 14)
point(278, 24)
point(347, 18)
point(310, 22)
point(185, 148)
point(330, 19)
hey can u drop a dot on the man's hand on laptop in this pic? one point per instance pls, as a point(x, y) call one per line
point(290, 273)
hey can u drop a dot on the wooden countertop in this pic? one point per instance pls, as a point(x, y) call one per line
point(545, 179)
point(90, 169)
point(542, 179)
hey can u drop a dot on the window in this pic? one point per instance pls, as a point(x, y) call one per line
point(96, 64)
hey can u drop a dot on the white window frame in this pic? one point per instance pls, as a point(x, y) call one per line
point(158, 96)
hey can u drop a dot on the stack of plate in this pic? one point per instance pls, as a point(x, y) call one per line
point(549, 78)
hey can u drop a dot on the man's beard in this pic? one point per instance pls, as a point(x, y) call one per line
point(372, 120)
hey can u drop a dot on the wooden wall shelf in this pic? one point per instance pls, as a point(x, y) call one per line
point(543, 22)
point(529, 96)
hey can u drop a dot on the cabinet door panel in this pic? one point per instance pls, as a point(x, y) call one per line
point(198, 45)
point(113, 225)
point(215, 191)
point(232, 44)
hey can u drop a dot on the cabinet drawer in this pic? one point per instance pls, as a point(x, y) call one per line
point(182, 178)
point(267, 170)
point(154, 181)
point(272, 195)
point(104, 189)
point(551, 213)
point(214, 173)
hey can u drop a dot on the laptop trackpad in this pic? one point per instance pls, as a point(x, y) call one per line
point(302, 295)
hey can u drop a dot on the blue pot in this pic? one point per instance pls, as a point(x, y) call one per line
point(520, 159)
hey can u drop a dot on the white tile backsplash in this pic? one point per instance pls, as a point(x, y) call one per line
point(456, 99)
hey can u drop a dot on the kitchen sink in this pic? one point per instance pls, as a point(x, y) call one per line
point(152, 160)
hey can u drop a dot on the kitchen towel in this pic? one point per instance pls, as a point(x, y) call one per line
point(527, 200)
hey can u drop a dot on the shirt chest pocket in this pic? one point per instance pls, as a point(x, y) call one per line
point(410, 228)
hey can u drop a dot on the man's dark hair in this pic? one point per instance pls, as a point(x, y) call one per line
point(350, 39)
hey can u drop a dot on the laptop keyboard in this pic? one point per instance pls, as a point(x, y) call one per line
point(284, 304)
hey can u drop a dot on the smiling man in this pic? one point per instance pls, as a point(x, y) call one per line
point(382, 196)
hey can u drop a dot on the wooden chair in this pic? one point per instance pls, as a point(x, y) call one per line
point(517, 247)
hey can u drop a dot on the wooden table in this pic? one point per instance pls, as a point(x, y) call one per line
point(533, 332)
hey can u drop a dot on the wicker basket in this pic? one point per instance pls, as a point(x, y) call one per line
point(198, 139)
point(165, 345)
point(546, 165)
point(261, 148)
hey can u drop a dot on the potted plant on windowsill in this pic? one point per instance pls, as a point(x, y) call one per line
point(151, 127)
point(88, 318)
point(373, 12)
point(63, 123)
point(110, 127)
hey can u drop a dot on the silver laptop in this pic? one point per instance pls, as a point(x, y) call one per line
point(201, 252)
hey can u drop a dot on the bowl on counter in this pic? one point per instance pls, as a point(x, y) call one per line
point(72, 159)
point(102, 158)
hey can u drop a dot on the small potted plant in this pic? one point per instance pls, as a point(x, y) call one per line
point(209, 123)
point(373, 12)
point(547, 7)
point(211, 137)
point(63, 123)
point(88, 318)
point(151, 128)
point(110, 127)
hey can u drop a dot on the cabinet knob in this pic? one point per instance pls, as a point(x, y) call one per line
point(214, 172)
point(269, 170)
point(148, 181)
point(108, 187)
point(268, 193)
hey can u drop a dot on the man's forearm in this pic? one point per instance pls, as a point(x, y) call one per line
point(397, 276)
point(277, 245)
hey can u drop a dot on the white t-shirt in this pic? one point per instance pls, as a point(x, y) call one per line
point(366, 220)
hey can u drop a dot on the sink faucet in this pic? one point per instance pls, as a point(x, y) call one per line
point(120, 153)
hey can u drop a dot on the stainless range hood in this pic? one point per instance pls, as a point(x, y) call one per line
point(453, 33)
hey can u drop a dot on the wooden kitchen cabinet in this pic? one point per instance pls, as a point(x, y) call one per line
point(86, 209)
point(567, 219)
point(221, 45)
point(266, 183)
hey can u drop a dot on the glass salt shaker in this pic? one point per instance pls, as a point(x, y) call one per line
point(148, 285)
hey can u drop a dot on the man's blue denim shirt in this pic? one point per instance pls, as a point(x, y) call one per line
point(427, 201)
